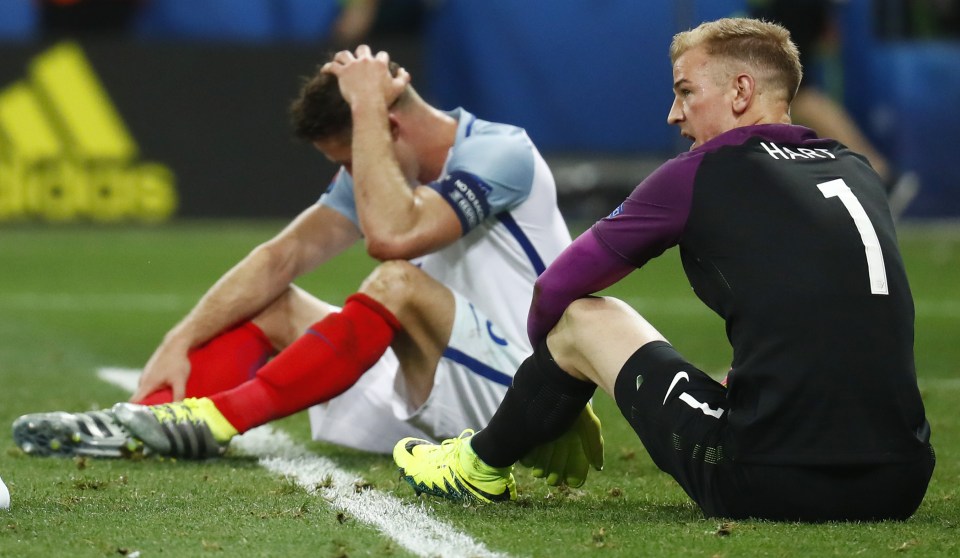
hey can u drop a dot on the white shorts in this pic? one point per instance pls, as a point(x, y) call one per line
point(471, 378)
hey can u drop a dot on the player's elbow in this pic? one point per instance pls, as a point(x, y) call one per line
point(407, 244)
point(385, 248)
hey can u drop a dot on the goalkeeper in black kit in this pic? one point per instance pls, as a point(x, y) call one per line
point(789, 238)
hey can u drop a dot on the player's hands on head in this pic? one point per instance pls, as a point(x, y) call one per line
point(568, 459)
point(365, 77)
point(167, 367)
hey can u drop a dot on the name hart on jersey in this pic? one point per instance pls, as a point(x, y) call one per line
point(787, 154)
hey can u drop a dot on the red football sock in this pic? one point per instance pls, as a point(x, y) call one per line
point(320, 365)
point(224, 362)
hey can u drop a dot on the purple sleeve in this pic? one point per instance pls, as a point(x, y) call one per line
point(653, 216)
point(585, 267)
point(647, 223)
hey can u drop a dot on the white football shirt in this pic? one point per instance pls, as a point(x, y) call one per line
point(505, 197)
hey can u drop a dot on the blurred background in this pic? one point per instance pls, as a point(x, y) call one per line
point(153, 110)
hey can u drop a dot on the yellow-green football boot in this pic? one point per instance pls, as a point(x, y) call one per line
point(452, 470)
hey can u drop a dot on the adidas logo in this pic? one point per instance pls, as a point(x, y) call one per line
point(66, 154)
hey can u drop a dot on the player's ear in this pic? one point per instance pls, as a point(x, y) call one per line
point(746, 87)
point(394, 127)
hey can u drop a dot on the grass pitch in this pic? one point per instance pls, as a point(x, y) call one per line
point(75, 299)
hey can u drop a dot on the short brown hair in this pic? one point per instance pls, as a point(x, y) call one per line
point(320, 112)
point(759, 44)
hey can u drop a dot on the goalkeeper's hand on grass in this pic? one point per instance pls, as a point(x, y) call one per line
point(567, 459)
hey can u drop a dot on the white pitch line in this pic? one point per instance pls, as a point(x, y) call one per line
point(409, 525)
point(124, 378)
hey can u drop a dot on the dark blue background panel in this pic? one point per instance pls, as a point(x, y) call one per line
point(578, 76)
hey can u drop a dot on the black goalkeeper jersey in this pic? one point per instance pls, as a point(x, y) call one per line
point(789, 238)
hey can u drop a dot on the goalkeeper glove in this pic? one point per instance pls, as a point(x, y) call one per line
point(567, 459)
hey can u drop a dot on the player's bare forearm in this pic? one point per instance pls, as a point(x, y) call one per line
point(386, 204)
point(399, 217)
point(241, 293)
point(399, 220)
point(316, 235)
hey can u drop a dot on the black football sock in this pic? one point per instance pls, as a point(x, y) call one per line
point(540, 405)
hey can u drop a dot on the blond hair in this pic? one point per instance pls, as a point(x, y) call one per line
point(760, 45)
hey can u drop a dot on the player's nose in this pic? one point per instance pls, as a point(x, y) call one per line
point(675, 116)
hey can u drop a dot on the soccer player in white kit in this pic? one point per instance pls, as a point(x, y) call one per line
point(462, 213)
point(504, 197)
